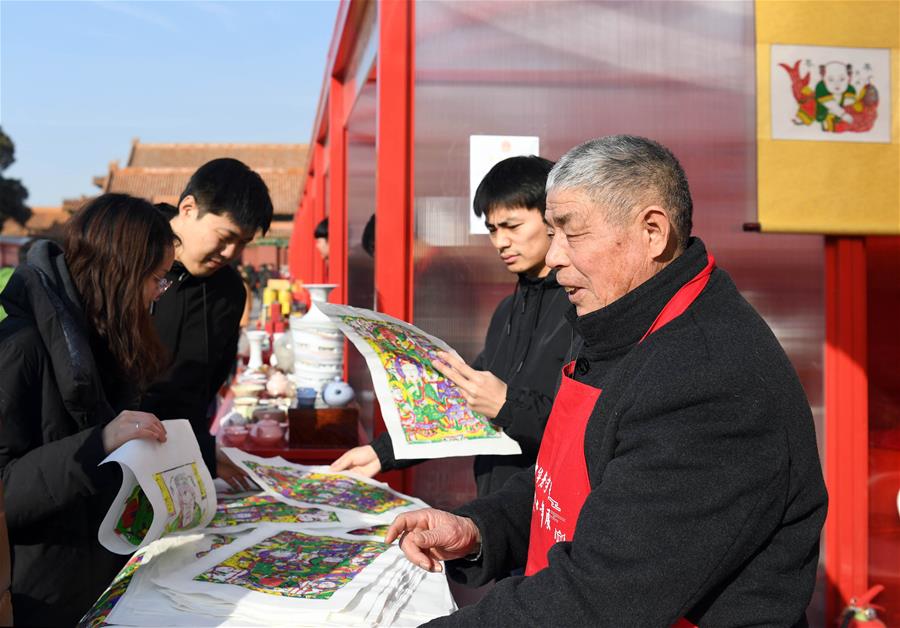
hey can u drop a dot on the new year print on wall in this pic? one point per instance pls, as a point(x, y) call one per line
point(831, 94)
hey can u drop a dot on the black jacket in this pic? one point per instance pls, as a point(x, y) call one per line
point(707, 498)
point(53, 406)
point(527, 339)
point(198, 320)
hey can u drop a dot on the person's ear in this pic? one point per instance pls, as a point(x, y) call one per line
point(657, 231)
point(188, 206)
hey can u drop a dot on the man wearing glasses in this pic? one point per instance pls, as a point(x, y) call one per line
point(201, 300)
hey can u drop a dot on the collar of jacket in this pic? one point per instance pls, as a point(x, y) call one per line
point(621, 324)
point(42, 290)
point(546, 282)
point(178, 274)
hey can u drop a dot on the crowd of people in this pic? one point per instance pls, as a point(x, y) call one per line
point(669, 472)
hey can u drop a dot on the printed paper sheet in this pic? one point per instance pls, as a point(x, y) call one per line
point(166, 488)
point(234, 512)
point(425, 413)
point(290, 569)
point(352, 497)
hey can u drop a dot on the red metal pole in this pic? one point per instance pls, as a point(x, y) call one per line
point(394, 194)
point(296, 246)
point(337, 183)
point(319, 209)
point(394, 182)
point(846, 423)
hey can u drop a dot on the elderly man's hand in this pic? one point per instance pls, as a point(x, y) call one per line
point(361, 460)
point(485, 392)
point(429, 536)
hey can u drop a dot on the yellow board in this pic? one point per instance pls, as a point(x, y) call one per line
point(828, 187)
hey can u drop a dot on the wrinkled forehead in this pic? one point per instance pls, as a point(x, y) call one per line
point(570, 208)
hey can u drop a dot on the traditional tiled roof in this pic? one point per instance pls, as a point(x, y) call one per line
point(164, 185)
point(42, 219)
point(71, 205)
point(159, 172)
point(257, 156)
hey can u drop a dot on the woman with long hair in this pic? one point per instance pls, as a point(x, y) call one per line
point(76, 349)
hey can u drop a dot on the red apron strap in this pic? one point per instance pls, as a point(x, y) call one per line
point(683, 298)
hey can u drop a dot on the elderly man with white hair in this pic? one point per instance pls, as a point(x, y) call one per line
point(678, 482)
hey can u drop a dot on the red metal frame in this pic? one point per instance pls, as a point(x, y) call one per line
point(846, 422)
point(394, 183)
point(394, 186)
point(337, 183)
point(319, 210)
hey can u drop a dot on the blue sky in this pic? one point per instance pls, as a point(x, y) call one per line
point(79, 80)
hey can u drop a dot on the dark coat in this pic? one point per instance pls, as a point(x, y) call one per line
point(707, 498)
point(198, 320)
point(53, 407)
point(527, 339)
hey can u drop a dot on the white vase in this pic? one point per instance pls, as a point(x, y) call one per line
point(255, 337)
point(318, 344)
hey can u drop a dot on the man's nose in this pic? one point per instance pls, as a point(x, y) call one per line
point(556, 257)
point(501, 240)
point(232, 250)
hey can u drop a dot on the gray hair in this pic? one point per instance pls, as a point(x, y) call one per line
point(621, 172)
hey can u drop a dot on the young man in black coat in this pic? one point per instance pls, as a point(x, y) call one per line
point(678, 482)
point(512, 380)
point(223, 207)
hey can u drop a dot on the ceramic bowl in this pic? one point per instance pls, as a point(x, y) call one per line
point(236, 435)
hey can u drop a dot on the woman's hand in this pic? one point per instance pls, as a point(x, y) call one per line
point(131, 424)
point(361, 460)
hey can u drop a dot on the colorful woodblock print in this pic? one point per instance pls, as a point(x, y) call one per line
point(107, 601)
point(328, 489)
point(256, 508)
point(293, 564)
point(136, 517)
point(184, 494)
point(431, 408)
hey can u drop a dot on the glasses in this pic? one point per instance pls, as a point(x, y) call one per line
point(162, 284)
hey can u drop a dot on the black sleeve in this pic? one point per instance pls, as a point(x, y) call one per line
point(503, 519)
point(207, 443)
point(225, 311)
point(384, 449)
point(41, 478)
point(523, 417)
point(225, 315)
point(692, 465)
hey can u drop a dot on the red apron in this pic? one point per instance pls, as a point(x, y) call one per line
point(561, 456)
